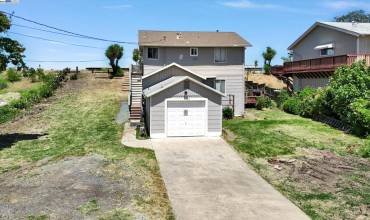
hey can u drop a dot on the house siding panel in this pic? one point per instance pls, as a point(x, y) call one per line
point(195, 90)
point(343, 43)
point(181, 56)
point(364, 46)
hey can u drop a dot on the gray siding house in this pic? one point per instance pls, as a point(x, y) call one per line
point(324, 47)
point(187, 76)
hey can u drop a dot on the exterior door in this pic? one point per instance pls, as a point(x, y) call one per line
point(186, 118)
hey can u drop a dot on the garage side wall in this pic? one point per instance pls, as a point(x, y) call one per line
point(157, 108)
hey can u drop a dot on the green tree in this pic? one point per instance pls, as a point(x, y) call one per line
point(346, 85)
point(10, 50)
point(136, 56)
point(114, 53)
point(357, 16)
point(268, 55)
point(256, 63)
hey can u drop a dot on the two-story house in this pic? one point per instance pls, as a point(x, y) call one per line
point(186, 78)
point(324, 47)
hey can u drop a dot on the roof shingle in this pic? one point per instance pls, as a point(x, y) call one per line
point(191, 39)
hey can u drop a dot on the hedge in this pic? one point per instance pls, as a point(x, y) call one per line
point(346, 98)
point(30, 97)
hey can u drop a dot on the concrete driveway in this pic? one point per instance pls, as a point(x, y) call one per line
point(206, 179)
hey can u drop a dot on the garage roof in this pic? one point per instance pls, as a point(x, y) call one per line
point(157, 88)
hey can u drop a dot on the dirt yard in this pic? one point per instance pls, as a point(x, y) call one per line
point(63, 159)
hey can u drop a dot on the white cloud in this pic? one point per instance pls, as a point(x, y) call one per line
point(246, 4)
point(123, 6)
point(346, 4)
point(249, 4)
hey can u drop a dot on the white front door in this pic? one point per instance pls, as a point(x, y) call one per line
point(186, 118)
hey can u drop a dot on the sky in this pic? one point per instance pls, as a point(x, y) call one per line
point(274, 23)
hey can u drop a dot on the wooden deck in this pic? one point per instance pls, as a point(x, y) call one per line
point(325, 64)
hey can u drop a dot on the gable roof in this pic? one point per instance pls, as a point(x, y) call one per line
point(191, 39)
point(159, 87)
point(355, 29)
point(169, 66)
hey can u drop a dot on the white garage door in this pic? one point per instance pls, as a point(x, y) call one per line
point(186, 118)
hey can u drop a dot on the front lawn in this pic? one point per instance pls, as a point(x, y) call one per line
point(68, 151)
point(319, 168)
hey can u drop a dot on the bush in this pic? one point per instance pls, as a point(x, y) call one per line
point(50, 83)
point(346, 85)
point(281, 98)
point(227, 113)
point(3, 83)
point(263, 102)
point(307, 102)
point(359, 117)
point(12, 75)
point(74, 76)
point(291, 105)
point(119, 73)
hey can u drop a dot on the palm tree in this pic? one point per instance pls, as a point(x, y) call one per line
point(114, 53)
point(136, 56)
point(268, 55)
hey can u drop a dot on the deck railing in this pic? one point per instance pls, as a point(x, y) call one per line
point(324, 64)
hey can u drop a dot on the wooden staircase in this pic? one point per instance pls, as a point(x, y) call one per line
point(136, 92)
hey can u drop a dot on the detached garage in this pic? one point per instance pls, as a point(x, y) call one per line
point(182, 106)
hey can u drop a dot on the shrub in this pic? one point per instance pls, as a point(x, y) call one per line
point(291, 105)
point(359, 117)
point(227, 113)
point(12, 75)
point(32, 96)
point(346, 85)
point(281, 98)
point(263, 102)
point(3, 83)
point(119, 73)
point(40, 73)
point(307, 102)
point(74, 76)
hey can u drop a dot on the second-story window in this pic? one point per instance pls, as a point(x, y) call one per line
point(220, 55)
point(327, 52)
point(193, 52)
point(153, 53)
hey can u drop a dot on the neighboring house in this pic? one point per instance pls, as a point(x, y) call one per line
point(324, 47)
point(188, 77)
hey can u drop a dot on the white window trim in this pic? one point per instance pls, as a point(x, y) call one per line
point(147, 53)
point(214, 55)
point(327, 55)
point(196, 50)
point(182, 99)
point(225, 85)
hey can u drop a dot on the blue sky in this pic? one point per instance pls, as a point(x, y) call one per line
point(275, 23)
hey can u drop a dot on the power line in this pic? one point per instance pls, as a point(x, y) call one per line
point(39, 29)
point(63, 61)
point(69, 32)
point(55, 41)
